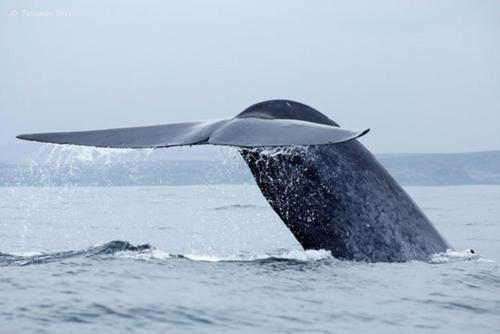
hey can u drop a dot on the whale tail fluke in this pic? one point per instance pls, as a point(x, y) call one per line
point(245, 132)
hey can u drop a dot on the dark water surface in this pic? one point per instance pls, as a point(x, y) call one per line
point(215, 259)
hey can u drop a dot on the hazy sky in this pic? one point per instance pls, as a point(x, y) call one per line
point(423, 75)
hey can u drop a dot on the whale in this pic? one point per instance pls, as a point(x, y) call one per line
point(325, 186)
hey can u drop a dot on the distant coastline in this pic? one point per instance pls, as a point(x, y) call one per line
point(435, 169)
point(426, 169)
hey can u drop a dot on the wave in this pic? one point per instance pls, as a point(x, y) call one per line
point(124, 249)
point(109, 248)
point(453, 256)
point(291, 255)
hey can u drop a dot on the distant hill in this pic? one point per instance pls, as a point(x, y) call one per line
point(444, 169)
point(408, 169)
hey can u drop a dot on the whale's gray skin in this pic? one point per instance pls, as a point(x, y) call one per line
point(238, 131)
point(338, 197)
point(329, 191)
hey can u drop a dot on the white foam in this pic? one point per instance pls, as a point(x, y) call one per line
point(298, 255)
point(208, 258)
point(26, 254)
point(454, 256)
point(152, 254)
point(308, 255)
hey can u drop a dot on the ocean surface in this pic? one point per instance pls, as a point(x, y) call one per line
point(217, 259)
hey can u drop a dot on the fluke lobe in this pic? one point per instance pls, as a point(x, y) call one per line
point(326, 187)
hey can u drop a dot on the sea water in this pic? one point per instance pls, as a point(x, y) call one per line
point(217, 259)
